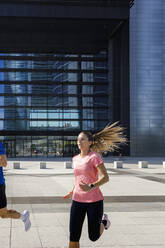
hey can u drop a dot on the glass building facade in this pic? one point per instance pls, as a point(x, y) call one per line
point(47, 99)
point(147, 87)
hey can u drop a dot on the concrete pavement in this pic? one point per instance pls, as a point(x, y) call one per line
point(134, 200)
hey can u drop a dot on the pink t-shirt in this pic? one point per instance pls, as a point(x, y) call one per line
point(85, 170)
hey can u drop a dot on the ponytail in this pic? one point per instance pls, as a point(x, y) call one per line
point(109, 139)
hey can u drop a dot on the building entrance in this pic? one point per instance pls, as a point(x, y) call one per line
point(41, 146)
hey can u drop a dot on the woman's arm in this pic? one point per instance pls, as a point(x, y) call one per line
point(69, 195)
point(104, 176)
point(3, 160)
point(103, 179)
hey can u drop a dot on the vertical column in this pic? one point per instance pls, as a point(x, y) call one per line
point(119, 50)
point(110, 79)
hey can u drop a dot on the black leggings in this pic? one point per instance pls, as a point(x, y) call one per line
point(78, 211)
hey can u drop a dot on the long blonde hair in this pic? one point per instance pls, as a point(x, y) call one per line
point(109, 139)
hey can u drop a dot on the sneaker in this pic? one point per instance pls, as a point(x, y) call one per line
point(25, 216)
point(105, 217)
point(27, 224)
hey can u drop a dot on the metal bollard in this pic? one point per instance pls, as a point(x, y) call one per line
point(163, 164)
point(16, 165)
point(68, 165)
point(118, 164)
point(143, 164)
point(42, 165)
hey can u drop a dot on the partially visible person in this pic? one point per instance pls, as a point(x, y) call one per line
point(87, 198)
point(4, 212)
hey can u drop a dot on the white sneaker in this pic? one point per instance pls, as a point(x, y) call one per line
point(25, 216)
point(27, 224)
point(105, 217)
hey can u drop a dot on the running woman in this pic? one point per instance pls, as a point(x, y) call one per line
point(4, 212)
point(87, 197)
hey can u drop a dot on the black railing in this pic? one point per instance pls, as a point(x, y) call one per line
point(108, 3)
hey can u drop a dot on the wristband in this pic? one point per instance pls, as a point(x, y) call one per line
point(91, 185)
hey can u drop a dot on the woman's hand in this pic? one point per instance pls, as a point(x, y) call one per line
point(69, 195)
point(85, 187)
